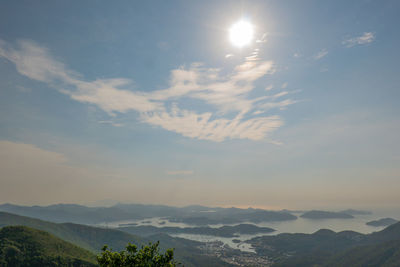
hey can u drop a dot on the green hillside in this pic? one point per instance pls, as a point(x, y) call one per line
point(24, 246)
point(327, 248)
point(88, 237)
point(94, 238)
point(383, 255)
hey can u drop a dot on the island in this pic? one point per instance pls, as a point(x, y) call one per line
point(319, 214)
point(223, 231)
point(382, 222)
point(356, 212)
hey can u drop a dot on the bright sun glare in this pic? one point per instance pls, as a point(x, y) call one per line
point(241, 33)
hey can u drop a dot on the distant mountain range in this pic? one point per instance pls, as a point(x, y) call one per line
point(194, 215)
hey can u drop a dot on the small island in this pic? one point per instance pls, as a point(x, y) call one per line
point(319, 214)
point(127, 224)
point(223, 231)
point(356, 212)
point(382, 222)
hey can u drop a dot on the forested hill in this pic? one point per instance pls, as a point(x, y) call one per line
point(24, 246)
point(94, 238)
point(88, 237)
point(328, 248)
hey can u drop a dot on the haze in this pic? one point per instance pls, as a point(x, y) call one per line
point(137, 102)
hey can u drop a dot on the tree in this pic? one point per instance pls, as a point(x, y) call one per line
point(147, 256)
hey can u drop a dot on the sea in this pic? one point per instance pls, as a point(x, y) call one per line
point(301, 225)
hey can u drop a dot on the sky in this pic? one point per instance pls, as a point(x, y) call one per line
point(151, 102)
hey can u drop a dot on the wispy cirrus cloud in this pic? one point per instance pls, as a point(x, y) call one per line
point(321, 54)
point(263, 38)
point(231, 114)
point(366, 38)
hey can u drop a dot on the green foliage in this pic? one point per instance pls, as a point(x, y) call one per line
point(147, 256)
point(93, 239)
point(23, 246)
point(385, 254)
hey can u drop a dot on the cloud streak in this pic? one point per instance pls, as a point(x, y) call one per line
point(321, 54)
point(230, 111)
point(366, 38)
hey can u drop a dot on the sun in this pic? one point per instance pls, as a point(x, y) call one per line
point(241, 33)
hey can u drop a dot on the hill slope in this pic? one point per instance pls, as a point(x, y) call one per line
point(93, 239)
point(384, 255)
point(382, 222)
point(328, 248)
point(88, 237)
point(24, 246)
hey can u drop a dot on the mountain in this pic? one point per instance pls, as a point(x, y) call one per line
point(319, 214)
point(94, 238)
point(88, 237)
point(195, 215)
point(282, 245)
point(382, 222)
point(24, 246)
point(391, 232)
point(384, 255)
point(327, 247)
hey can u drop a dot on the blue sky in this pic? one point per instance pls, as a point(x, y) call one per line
point(150, 102)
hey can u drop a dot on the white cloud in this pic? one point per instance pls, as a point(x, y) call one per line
point(257, 112)
point(284, 85)
point(262, 39)
point(269, 87)
point(201, 126)
point(321, 54)
point(366, 38)
point(228, 94)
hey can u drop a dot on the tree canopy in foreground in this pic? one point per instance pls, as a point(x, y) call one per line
point(147, 256)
